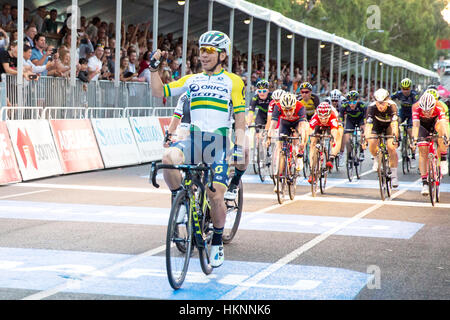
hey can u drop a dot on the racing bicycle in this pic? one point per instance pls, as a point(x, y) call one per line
point(319, 170)
point(433, 167)
point(287, 159)
point(190, 224)
point(383, 171)
point(354, 161)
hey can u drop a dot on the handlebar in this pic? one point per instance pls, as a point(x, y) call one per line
point(184, 167)
point(258, 126)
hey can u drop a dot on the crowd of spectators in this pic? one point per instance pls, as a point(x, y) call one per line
point(48, 42)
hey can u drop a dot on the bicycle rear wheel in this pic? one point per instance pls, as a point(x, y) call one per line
point(178, 240)
point(261, 155)
point(234, 213)
point(204, 248)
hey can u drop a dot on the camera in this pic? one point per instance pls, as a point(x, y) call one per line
point(32, 77)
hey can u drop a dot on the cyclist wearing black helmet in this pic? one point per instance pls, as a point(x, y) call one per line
point(407, 98)
point(308, 99)
point(352, 113)
point(260, 103)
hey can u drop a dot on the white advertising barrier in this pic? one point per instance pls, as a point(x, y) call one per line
point(116, 142)
point(149, 137)
point(9, 171)
point(76, 145)
point(34, 147)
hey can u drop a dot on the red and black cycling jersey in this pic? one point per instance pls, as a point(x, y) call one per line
point(299, 113)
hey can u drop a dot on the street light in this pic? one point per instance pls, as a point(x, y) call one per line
point(364, 36)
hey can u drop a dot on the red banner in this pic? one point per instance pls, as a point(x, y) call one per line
point(76, 145)
point(9, 170)
point(442, 44)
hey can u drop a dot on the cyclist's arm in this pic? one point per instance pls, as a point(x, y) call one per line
point(238, 101)
point(251, 111)
point(394, 121)
point(156, 82)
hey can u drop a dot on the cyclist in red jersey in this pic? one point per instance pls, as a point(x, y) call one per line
point(428, 116)
point(291, 116)
point(324, 120)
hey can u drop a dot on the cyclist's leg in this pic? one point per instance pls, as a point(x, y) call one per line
point(393, 158)
point(220, 183)
point(180, 152)
point(424, 131)
point(441, 128)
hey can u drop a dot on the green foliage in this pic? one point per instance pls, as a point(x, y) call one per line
point(411, 27)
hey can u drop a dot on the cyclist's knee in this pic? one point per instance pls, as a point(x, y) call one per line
point(172, 156)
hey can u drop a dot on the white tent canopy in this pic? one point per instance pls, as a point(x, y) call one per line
point(313, 33)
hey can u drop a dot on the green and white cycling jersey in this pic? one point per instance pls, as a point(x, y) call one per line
point(214, 99)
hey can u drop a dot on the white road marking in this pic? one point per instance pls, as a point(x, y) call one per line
point(22, 194)
point(68, 284)
point(236, 292)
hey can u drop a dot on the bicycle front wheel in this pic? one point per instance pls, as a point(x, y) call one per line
point(178, 240)
point(432, 180)
point(350, 163)
point(315, 172)
point(381, 176)
point(281, 179)
point(323, 172)
point(292, 174)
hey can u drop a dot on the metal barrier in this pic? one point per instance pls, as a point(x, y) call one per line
point(57, 113)
point(95, 113)
point(21, 113)
point(57, 92)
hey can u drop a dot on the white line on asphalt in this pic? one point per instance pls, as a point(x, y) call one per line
point(236, 292)
point(22, 194)
point(69, 284)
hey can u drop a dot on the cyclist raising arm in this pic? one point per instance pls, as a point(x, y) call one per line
point(215, 96)
point(382, 119)
point(428, 117)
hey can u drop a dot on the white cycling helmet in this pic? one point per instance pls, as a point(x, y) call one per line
point(277, 94)
point(381, 95)
point(215, 39)
point(288, 101)
point(335, 94)
point(427, 102)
